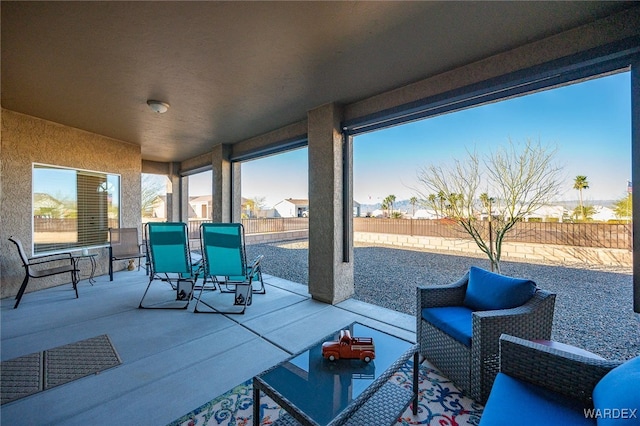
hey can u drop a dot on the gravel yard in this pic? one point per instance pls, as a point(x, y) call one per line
point(594, 307)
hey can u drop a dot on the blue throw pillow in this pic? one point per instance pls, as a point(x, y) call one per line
point(488, 291)
point(616, 397)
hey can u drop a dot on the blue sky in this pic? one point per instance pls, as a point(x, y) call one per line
point(589, 123)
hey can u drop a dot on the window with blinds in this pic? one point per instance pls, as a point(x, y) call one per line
point(73, 208)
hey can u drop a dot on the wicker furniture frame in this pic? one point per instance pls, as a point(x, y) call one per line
point(474, 368)
point(565, 373)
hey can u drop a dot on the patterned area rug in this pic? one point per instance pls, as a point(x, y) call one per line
point(440, 403)
point(29, 374)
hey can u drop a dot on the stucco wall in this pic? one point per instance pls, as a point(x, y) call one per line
point(26, 140)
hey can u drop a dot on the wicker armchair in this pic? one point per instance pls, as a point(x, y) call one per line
point(565, 373)
point(540, 384)
point(474, 367)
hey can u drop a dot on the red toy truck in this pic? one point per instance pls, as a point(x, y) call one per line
point(349, 347)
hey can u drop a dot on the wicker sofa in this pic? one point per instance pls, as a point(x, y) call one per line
point(462, 341)
point(543, 385)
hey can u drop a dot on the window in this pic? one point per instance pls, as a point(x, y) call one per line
point(154, 198)
point(269, 183)
point(200, 196)
point(73, 208)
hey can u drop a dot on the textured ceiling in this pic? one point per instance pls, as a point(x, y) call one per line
point(233, 70)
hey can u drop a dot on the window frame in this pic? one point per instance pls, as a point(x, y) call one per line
point(58, 247)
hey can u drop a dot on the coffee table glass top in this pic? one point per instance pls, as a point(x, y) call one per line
point(321, 388)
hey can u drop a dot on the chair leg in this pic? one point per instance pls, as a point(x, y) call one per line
point(74, 281)
point(242, 298)
point(161, 304)
point(110, 264)
point(145, 294)
point(262, 289)
point(21, 291)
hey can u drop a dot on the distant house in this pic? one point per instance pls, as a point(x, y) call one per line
point(603, 214)
point(291, 207)
point(425, 214)
point(356, 209)
point(201, 207)
point(46, 206)
point(159, 207)
point(547, 214)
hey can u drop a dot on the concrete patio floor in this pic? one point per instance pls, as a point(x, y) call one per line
point(173, 361)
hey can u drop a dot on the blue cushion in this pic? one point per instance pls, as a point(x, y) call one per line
point(488, 291)
point(617, 394)
point(512, 402)
point(453, 320)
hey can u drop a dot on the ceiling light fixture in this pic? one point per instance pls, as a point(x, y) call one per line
point(158, 106)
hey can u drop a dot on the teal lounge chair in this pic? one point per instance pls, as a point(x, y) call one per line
point(170, 261)
point(225, 265)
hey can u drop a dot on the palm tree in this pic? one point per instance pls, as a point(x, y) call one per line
point(389, 201)
point(586, 212)
point(581, 183)
point(385, 206)
point(442, 197)
point(413, 201)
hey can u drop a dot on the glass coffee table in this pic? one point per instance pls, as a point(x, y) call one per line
point(316, 391)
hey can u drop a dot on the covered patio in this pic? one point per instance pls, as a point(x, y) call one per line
point(243, 80)
point(82, 81)
point(172, 361)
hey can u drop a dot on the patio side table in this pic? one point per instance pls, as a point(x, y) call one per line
point(92, 260)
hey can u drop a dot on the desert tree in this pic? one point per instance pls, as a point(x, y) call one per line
point(151, 187)
point(580, 183)
point(254, 205)
point(503, 186)
point(622, 207)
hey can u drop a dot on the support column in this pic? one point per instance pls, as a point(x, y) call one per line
point(635, 179)
point(222, 189)
point(175, 200)
point(330, 184)
point(184, 199)
point(236, 192)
